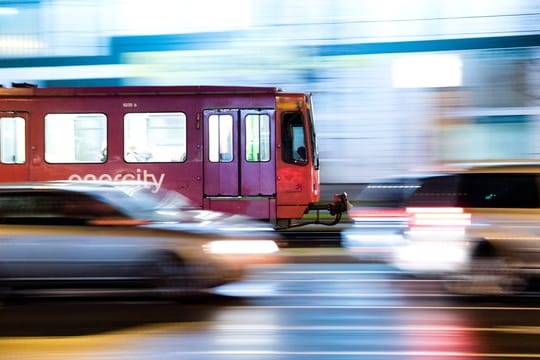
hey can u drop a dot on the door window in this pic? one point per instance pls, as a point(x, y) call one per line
point(257, 137)
point(220, 144)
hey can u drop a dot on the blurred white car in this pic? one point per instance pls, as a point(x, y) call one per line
point(379, 223)
point(478, 227)
point(102, 237)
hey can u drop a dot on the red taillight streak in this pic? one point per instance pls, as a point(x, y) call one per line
point(118, 222)
point(434, 210)
point(390, 213)
point(438, 216)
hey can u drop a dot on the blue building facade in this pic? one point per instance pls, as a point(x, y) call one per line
point(398, 84)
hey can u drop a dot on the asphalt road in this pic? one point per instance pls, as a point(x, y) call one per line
point(298, 310)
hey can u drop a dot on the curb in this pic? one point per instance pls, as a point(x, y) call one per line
point(318, 255)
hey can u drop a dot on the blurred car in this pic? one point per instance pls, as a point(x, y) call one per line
point(477, 226)
point(74, 237)
point(379, 218)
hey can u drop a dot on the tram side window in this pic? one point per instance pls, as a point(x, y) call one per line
point(220, 143)
point(257, 137)
point(155, 137)
point(12, 140)
point(293, 141)
point(75, 138)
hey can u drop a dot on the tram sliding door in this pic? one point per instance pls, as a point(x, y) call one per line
point(239, 161)
point(221, 160)
point(257, 160)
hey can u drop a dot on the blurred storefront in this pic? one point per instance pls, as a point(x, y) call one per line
point(398, 84)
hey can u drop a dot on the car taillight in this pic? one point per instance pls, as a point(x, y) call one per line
point(438, 216)
point(379, 218)
point(377, 214)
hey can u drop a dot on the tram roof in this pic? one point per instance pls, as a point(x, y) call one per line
point(30, 90)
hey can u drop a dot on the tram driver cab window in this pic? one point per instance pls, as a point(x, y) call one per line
point(293, 141)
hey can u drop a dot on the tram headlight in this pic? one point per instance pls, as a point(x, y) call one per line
point(246, 247)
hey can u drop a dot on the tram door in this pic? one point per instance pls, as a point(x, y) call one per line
point(14, 155)
point(238, 156)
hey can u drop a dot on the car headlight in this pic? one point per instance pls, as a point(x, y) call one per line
point(241, 247)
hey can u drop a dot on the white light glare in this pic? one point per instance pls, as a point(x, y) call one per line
point(241, 247)
point(427, 70)
point(435, 216)
point(8, 11)
point(427, 256)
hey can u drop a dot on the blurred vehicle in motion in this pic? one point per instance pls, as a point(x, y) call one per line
point(236, 149)
point(379, 218)
point(85, 238)
point(476, 226)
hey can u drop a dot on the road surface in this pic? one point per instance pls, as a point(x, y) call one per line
point(311, 311)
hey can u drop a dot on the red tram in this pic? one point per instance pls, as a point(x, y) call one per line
point(244, 150)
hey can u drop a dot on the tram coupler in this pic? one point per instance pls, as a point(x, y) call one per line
point(340, 205)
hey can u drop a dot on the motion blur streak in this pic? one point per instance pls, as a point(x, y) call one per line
point(435, 216)
point(415, 83)
point(241, 247)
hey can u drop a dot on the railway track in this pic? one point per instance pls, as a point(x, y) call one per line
point(306, 238)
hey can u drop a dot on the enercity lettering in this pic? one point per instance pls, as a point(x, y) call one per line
point(155, 181)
